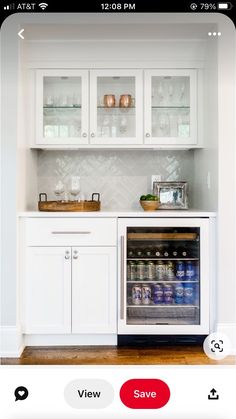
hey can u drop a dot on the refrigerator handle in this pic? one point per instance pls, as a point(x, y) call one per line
point(122, 279)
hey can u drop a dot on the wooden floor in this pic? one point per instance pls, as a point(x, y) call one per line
point(111, 355)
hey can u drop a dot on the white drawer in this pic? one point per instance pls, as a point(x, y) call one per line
point(71, 232)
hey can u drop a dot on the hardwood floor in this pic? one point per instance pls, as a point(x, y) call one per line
point(111, 355)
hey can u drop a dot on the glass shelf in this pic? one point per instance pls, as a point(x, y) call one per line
point(165, 259)
point(170, 107)
point(116, 107)
point(62, 107)
point(162, 305)
point(176, 281)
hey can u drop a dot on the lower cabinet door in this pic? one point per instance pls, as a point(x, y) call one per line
point(94, 290)
point(47, 290)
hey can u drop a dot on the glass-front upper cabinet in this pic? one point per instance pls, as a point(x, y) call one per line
point(116, 111)
point(170, 107)
point(61, 107)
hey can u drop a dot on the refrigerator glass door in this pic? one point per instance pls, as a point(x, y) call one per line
point(163, 276)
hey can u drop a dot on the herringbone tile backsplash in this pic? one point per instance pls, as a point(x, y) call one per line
point(119, 176)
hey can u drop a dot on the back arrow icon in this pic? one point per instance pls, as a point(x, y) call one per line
point(20, 34)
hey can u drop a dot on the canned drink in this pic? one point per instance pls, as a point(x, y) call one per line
point(168, 294)
point(136, 295)
point(189, 294)
point(170, 271)
point(146, 294)
point(179, 293)
point(131, 271)
point(180, 270)
point(190, 271)
point(160, 270)
point(158, 294)
point(150, 271)
point(140, 271)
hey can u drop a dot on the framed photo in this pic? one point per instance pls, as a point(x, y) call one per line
point(172, 195)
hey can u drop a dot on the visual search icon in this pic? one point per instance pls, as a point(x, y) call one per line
point(21, 393)
point(217, 346)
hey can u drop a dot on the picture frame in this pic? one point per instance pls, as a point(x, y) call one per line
point(172, 195)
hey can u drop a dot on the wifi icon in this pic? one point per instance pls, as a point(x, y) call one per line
point(43, 5)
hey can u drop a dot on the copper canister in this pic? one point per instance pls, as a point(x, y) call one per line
point(125, 101)
point(109, 101)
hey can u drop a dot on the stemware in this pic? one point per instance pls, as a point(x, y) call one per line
point(59, 189)
point(164, 124)
point(74, 187)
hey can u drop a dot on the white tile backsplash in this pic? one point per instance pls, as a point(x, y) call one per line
point(119, 176)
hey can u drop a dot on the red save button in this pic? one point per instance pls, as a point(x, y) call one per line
point(145, 393)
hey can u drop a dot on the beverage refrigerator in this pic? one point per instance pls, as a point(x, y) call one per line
point(164, 277)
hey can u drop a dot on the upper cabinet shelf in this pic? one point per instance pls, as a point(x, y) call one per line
point(96, 108)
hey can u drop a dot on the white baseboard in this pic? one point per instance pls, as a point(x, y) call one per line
point(228, 329)
point(67, 340)
point(11, 342)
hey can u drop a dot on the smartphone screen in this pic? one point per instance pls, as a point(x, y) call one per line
point(118, 233)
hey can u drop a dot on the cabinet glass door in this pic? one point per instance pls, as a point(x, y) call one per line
point(116, 107)
point(170, 111)
point(62, 104)
point(163, 276)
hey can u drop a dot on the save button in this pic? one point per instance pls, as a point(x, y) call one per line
point(144, 393)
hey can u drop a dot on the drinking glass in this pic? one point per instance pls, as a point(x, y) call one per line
point(59, 189)
point(74, 187)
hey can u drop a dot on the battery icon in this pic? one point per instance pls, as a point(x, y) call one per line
point(224, 6)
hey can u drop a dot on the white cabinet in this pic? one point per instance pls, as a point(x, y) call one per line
point(170, 98)
point(116, 107)
point(94, 290)
point(70, 288)
point(47, 290)
point(61, 107)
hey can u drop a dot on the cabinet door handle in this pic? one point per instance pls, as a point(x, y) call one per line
point(67, 256)
point(122, 278)
point(92, 134)
point(84, 135)
point(71, 232)
point(148, 135)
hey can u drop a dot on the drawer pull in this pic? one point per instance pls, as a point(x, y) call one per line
point(71, 232)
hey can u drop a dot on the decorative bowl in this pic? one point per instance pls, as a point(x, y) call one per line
point(149, 205)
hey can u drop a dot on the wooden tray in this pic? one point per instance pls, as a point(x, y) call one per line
point(68, 206)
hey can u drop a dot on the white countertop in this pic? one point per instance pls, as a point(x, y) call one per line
point(115, 214)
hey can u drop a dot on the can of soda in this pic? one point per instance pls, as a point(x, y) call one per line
point(146, 294)
point(140, 271)
point(180, 270)
point(160, 270)
point(150, 271)
point(131, 271)
point(136, 295)
point(158, 294)
point(189, 294)
point(168, 294)
point(190, 272)
point(179, 293)
point(170, 271)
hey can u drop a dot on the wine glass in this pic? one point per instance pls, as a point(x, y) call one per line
point(164, 124)
point(59, 189)
point(160, 92)
point(74, 187)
